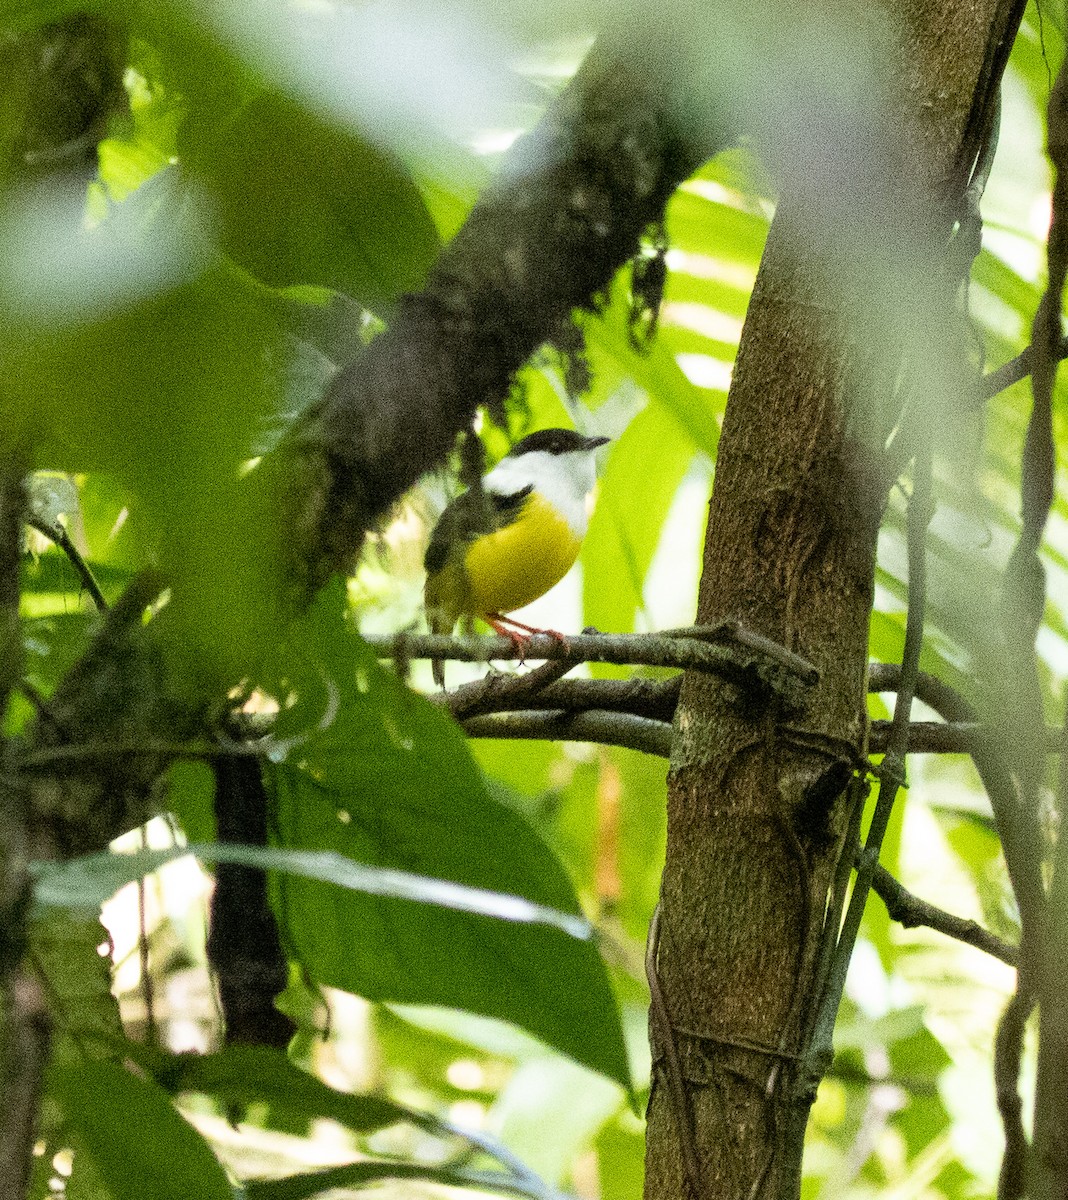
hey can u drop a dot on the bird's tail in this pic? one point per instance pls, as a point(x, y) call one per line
point(439, 623)
point(442, 597)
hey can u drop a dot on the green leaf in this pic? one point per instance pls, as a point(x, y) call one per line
point(358, 1175)
point(549, 1111)
point(642, 475)
point(83, 884)
point(139, 1144)
point(241, 1075)
point(302, 201)
point(655, 370)
point(30, 14)
point(390, 782)
point(66, 951)
point(191, 797)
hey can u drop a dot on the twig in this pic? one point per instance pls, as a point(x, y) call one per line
point(1016, 834)
point(61, 538)
point(1014, 371)
point(148, 990)
point(560, 715)
point(733, 630)
point(1025, 588)
point(525, 1176)
point(961, 732)
point(952, 737)
point(494, 693)
point(910, 911)
point(859, 788)
point(1051, 1159)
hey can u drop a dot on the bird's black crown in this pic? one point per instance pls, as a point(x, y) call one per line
point(556, 441)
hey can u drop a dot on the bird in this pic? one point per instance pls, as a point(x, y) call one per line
point(496, 549)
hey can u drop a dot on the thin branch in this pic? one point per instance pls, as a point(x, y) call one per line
point(849, 1074)
point(1014, 371)
point(1046, 1175)
point(910, 911)
point(604, 728)
point(1008, 1054)
point(1049, 1150)
point(952, 737)
point(1015, 832)
point(728, 649)
point(495, 693)
point(654, 698)
point(61, 538)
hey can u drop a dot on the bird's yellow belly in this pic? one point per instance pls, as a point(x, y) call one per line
point(510, 568)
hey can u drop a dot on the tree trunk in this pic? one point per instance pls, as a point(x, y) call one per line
point(756, 813)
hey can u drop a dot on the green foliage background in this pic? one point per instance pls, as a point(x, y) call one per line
point(258, 214)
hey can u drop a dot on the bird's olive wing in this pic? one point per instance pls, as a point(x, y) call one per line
point(469, 516)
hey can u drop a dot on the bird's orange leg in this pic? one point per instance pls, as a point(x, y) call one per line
point(500, 623)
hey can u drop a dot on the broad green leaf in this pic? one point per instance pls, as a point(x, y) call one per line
point(83, 884)
point(642, 474)
point(655, 370)
point(621, 1159)
point(242, 1075)
point(549, 1111)
point(139, 1144)
point(922, 1057)
point(301, 201)
point(191, 798)
point(389, 781)
point(66, 950)
point(52, 644)
point(31, 14)
point(360, 1175)
point(134, 354)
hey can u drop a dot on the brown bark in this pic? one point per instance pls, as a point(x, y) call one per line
point(755, 806)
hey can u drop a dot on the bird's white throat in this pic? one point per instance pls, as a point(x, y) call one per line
point(565, 480)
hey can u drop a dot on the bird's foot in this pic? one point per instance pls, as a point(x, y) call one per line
point(509, 627)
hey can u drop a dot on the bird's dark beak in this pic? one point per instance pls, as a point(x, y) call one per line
point(591, 443)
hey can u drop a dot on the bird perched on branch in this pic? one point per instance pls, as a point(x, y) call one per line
point(497, 548)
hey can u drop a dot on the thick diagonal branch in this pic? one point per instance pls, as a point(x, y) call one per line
point(568, 209)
